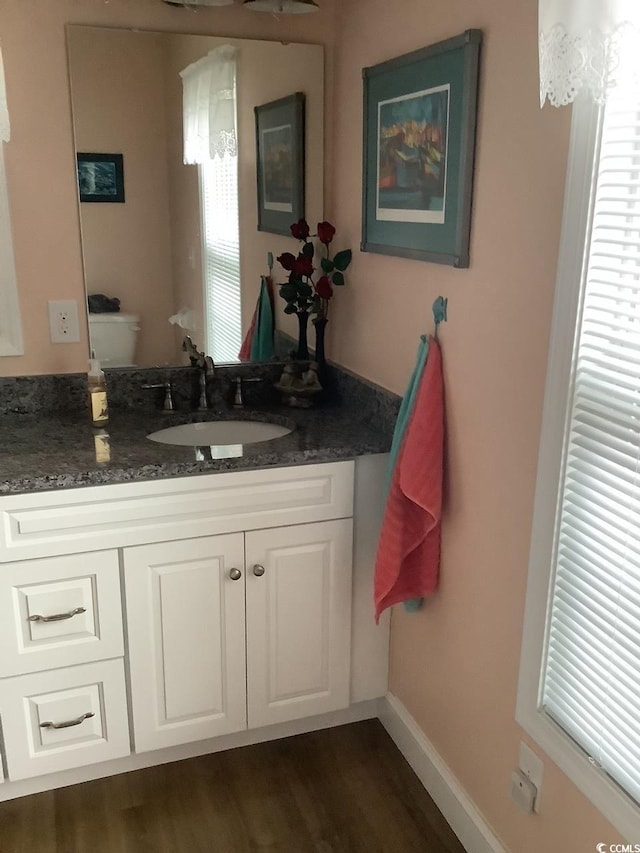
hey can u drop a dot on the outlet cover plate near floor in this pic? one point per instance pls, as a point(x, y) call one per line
point(532, 767)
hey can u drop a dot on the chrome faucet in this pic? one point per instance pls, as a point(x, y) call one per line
point(206, 366)
point(197, 358)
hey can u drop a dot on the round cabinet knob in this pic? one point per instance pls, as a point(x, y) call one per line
point(235, 574)
point(258, 570)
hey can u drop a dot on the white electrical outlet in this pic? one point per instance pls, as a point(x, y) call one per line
point(63, 321)
point(523, 791)
point(531, 766)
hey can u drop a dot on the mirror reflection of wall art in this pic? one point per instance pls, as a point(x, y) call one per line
point(419, 141)
point(280, 150)
point(101, 177)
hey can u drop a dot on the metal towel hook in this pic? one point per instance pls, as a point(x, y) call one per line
point(439, 309)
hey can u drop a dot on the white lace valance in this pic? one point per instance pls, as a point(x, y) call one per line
point(587, 46)
point(209, 106)
point(5, 127)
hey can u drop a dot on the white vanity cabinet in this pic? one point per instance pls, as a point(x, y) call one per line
point(202, 610)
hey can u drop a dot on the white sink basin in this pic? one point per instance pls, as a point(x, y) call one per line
point(217, 433)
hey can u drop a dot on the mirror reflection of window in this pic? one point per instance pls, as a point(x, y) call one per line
point(210, 140)
point(221, 257)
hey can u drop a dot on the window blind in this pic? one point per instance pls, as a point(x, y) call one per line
point(591, 677)
point(221, 257)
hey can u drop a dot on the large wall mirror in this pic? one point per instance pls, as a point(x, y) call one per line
point(148, 251)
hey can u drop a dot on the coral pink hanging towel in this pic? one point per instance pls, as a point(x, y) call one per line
point(408, 559)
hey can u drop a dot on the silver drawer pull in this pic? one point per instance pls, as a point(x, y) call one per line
point(235, 574)
point(57, 617)
point(68, 723)
point(258, 570)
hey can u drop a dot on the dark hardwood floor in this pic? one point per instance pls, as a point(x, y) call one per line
point(342, 789)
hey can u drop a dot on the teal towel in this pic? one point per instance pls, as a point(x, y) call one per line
point(402, 421)
point(406, 407)
point(262, 342)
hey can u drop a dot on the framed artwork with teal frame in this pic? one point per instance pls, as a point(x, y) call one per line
point(419, 144)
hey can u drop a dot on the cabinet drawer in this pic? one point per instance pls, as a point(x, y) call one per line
point(59, 611)
point(63, 719)
point(75, 520)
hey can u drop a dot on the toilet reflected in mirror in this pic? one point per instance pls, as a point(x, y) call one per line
point(113, 338)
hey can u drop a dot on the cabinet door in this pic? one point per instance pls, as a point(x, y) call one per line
point(298, 621)
point(186, 628)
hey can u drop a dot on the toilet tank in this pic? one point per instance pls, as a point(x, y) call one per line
point(113, 338)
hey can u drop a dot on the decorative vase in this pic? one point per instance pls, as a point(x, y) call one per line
point(302, 353)
point(320, 324)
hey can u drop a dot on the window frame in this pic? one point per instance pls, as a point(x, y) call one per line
point(582, 170)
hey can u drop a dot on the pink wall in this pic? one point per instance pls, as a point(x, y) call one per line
point(118, 106)
point(455, 664)
point(40, 157)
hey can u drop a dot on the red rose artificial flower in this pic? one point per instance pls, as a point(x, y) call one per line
point(325, 232)
point(300, 229)
point(323, 288)
point(287, 261)
point(303, 266)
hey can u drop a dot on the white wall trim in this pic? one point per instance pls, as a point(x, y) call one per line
point(10, 323)
point(456, 805)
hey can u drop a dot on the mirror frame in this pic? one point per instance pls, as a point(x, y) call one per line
point(274, 243)
point(11, 342)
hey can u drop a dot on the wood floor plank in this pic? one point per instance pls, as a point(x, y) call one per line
point(341, 790)
point(28, 825)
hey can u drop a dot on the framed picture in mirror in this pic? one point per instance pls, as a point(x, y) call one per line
point(280, 156)
point(101, 177)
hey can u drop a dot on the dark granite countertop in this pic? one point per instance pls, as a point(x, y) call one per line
point(44, 451)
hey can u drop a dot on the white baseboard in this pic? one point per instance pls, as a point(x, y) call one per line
point(459, 810)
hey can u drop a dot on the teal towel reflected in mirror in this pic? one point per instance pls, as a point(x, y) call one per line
point(262, 341)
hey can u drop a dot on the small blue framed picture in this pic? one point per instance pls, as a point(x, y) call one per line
point(101, 178)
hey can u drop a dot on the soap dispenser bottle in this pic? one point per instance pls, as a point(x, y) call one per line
point(98, 407)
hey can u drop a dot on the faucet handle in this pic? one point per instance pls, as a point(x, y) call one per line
point(238, 400)
point(203, 402)
point(209, 366)
point(167, 406)
point(195, 356)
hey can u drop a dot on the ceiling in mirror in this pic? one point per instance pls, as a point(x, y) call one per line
point(149, 249)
